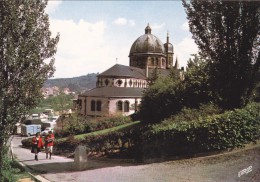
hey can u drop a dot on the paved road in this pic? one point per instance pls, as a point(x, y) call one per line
point(209, 169)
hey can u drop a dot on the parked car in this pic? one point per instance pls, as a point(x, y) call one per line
point(46, 131)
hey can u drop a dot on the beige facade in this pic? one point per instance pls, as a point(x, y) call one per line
point(103, 106)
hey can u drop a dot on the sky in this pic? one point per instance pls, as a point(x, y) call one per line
point(95, 35)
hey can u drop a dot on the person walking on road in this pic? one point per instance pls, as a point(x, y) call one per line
point(37, 145)
point(49, 141)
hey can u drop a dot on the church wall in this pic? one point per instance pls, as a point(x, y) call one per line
point(108, 106)
point(82, 105)
point(104, 106)
point(133, 102)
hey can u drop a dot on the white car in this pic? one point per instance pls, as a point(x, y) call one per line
point(46, 131)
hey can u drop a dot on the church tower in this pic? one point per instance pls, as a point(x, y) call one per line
point(169, 52)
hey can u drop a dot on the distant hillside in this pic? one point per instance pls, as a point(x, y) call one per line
point(75, 84)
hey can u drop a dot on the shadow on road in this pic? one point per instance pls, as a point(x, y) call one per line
point(60, 167)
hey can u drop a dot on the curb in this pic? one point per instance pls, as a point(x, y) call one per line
point(37, 178)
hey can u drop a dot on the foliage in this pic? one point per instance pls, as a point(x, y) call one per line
point(167, 96)
point(106, 141)
point(11, 170)
point(197, 89)
point(209, 133)
point(162, 99)
point(25, 45)
point(78, 124)
point(60, 103)
point(228, 36)
point(191, 115)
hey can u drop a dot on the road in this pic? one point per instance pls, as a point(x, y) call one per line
point(223, 167)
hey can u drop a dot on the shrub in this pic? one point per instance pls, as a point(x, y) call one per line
point(80, 125)
point(209, 133)
point(66, 146)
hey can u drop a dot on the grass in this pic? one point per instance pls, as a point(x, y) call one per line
point(102, 132)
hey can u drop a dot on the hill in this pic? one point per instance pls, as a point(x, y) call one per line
point(75, 84)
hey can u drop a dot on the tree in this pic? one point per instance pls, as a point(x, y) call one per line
point(169, 95)
point(197, 89)
point(61, 102)
point(228, 36)
point(27, 56)
point(161, 100)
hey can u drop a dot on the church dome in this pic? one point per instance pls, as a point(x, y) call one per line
point(169, 47)
point(147, 44)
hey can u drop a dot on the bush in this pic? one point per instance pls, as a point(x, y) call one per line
point(66, 146)
point(107, 143)
point(80, 125)
point(209, 133)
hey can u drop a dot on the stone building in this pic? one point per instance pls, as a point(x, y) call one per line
point(119, 89)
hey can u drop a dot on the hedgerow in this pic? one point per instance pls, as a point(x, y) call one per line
point(210, 133)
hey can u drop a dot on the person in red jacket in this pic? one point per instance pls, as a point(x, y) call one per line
point(49, 140)
point(37, 144)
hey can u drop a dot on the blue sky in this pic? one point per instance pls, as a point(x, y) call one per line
point(94, 33)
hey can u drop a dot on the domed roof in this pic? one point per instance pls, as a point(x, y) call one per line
point(169, 47)
point(147, 44)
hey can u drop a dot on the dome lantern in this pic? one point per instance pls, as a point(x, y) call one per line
point(148, 29)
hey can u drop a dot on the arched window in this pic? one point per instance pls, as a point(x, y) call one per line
point(119, 106)
point(126, 106)
point(99, 105)
point(93, 105)
point(106, 82)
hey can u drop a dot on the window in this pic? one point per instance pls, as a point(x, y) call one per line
point(119, 106)
point(126, 106)
point(93, 105)
point(106, 82)
point(119, 82)
point(99, 105)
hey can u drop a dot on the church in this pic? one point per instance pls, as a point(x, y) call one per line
point(119, 89)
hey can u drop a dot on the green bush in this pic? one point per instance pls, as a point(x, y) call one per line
point(209, 133)
point(107, 143)
point(80, 125)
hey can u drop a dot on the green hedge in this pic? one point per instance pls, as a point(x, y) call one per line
point(105, 141)
point(217, 132)
point(99, 142)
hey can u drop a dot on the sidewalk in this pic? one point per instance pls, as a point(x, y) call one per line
point(62, 169)
point(43, 166)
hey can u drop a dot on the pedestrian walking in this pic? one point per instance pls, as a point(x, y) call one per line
point(49, 141)
point(37, 145)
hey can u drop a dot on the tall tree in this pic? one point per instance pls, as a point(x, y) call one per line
point(196, 83)
point(26, 60)
point(228, 35)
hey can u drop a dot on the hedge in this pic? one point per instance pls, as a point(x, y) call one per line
point(212, 133)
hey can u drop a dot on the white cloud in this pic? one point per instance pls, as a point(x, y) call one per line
point(81, 49)
point(124, 21)
point(185, 26)
point(52, 6)
point(120, 21)
point(184, 49)
point(157, 26)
